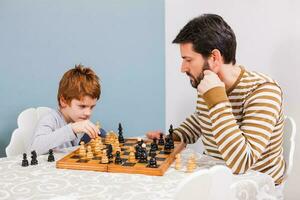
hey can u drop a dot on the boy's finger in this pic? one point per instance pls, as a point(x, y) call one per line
point(91, 131)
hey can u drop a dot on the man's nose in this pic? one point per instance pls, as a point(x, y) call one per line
point(184, 68)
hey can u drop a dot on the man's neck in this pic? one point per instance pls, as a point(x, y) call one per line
point(229, 74)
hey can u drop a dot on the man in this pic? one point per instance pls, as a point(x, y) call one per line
point(239, 113)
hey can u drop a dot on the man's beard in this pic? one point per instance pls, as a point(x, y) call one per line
point(195, 81)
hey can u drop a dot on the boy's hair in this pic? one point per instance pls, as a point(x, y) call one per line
point(208, 32)
point(79, 82)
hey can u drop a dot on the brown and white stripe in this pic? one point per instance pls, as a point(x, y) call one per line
point(244, 127)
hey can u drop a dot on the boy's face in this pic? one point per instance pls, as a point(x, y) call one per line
point(78, 110)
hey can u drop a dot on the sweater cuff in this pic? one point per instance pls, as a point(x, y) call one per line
point(214, 96)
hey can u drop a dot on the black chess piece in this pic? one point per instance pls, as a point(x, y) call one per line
point(171, 141)
point(51, 156)
point(138, 151)
point(152, 152)
point(144, 156)
point(121, 138)
point(118, 159)
point(171, 130)
point(161, 139)
point(109, 152)
point(25, 161)
point(167, 146)
point(154, 145)
point(34, 160)
point(152, 162)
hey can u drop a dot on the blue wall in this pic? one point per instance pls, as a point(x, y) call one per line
point(123, 41)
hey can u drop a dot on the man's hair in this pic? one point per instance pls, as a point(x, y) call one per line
point(208, 32)
point(79, 82)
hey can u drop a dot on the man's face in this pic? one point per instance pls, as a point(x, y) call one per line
point(193, 63)
point(79, 110)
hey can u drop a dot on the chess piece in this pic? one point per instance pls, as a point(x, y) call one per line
point(152, 151)
point(171, 140)
point(178, 162)
point(34, 160)
point(82, 150)
point(118, 159)
point(191, 164)
point(167, 146)
point(104, 158)
point(51, 156)
point(154, 145)
point(109, 152)
point(89, 154)
point(25, 161)
point(152, 162)
point(143, 154)
point(120, 138)
point(161, 139)
point(131, 156)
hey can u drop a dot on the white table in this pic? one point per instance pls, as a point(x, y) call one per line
point(44, 181)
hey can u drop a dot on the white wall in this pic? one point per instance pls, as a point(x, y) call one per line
point(268, 41)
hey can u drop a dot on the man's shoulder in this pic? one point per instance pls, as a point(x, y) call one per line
point(258, 78)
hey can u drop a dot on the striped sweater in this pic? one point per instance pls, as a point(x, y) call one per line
point(242, 126)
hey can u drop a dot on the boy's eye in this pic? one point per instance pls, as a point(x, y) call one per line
point(82, 106)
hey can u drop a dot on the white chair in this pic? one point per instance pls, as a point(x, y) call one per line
point(209, 184)
point(289, 134)
point(22, 136)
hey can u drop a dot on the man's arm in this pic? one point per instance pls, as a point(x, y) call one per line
point(242, 146)
point(189, 131)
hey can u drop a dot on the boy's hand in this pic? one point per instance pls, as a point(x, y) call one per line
point(85, 126)
point(209, 81)
point(153, 134)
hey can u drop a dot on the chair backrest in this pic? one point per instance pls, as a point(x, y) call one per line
point(289, 134)
point(22, 136)
point(208, 184)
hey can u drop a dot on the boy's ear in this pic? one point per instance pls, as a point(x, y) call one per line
point(63, 103)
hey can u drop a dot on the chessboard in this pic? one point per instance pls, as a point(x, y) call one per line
point(134, 156)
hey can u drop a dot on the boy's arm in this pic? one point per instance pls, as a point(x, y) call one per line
point(46, 137)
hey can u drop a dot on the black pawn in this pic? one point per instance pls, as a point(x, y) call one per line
point(118, 159)
point(121, 138)
point(51, 156)
point(154, 145)
point(152, 162)
point(161, 139)
point(33, 161)
point(25, 161)
point(143, 157)
point(109, 152)
point(167, 146)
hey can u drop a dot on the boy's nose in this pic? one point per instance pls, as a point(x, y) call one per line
point(88, 112)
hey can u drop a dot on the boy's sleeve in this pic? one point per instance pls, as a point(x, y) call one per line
point(46, 137)
point(242, 145)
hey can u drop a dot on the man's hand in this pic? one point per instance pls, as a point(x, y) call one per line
point(153, 134)
point(210, 80)
point(85, 126)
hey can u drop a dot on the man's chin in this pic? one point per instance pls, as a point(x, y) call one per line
point(194, 84)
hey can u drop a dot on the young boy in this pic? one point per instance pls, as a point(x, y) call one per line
point(79, 89)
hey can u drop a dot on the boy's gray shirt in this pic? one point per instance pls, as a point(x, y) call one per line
point(52, 132)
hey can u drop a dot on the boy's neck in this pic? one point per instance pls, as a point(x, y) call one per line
point(65, 115)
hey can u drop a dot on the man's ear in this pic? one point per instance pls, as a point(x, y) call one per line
point(216, 60)
point(62, 101)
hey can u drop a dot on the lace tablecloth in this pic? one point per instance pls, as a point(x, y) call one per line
point(44, 181)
